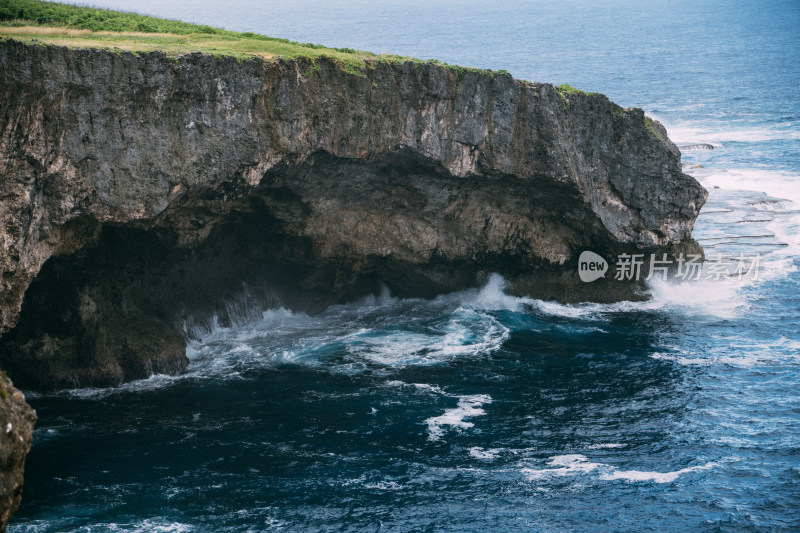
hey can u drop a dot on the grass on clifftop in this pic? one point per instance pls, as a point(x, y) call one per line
point(35, 21)
point(86, 27)
point(565, 89)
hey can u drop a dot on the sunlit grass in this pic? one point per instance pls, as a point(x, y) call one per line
point(35, 21)
point(173, 44)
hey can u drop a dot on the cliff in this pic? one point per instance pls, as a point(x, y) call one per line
point(141, 193)
point(16, 433)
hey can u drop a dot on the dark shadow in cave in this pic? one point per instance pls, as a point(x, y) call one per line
point(114, 312)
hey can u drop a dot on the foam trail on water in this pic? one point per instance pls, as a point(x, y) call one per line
point(485, 454)
point(562, 465)
point(658, 477)
point(576, 464)
point(149, 525)
point(468, 407)
point(466, 333)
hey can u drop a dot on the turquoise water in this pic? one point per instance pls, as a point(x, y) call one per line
point(478, 411)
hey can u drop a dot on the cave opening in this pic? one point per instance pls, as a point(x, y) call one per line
point(120, 305)
point(121, 308)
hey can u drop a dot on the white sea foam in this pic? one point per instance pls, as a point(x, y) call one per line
point(262, 321)
point(280, 336)
point(776, 183)
point(172, 527)
point(141, 526)
point(493, 297)
point(485, 455)
point(383, 485)
point(708, 298)
point(422, 387)
point(781, 218)
point(658, 477)
point(782, 204)
point(688, 133)
point(467, 333)
point(468, 407)
point(684, 359)
point(700, 298)
point(576, 464)
point(562, 465)
point(155, 381)
point(429, 388)
point(781, 208)
point(738, 353)
point(382, 299)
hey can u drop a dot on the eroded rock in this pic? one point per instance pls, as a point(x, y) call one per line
point(140, 192)
point(16, 434)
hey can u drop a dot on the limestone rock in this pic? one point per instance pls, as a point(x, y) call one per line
point(139, 192)
point(16, 434)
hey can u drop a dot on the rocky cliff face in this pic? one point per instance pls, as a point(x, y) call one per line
point(140, 193)
point(16, 433)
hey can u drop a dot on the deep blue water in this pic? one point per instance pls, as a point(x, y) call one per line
point(478, 411)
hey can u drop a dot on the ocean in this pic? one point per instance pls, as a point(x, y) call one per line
point(479, 411)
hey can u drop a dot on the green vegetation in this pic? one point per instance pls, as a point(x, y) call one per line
point(3, 393)
point(566, 89)
point(462, 71)
point(648, 122)
point(87, 18)
point(36, 21)
point(312, 69)
point(85, 27)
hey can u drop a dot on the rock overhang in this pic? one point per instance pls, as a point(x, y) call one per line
point(129, 170)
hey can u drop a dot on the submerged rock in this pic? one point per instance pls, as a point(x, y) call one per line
point(142, 193)
point(16, 433)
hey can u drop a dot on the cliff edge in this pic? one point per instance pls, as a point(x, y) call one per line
point(141, 193)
